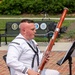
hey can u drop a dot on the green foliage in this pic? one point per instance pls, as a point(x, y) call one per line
point(17, 7)
point(71, 34)
point(41, 39)
point(70, 4)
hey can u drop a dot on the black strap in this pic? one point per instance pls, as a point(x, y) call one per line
point(36, 52)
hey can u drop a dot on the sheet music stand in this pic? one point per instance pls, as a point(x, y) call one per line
point(68, 57)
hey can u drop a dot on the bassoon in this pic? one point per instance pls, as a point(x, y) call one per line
point(52, 40)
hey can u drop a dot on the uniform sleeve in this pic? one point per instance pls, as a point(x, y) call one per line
point(12, 60)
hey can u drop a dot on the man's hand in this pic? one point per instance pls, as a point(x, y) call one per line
point(46, 56)
point(32, 72)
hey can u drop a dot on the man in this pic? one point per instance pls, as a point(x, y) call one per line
point(23, 56)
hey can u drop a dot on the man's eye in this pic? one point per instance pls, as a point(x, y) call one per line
point(33, 29)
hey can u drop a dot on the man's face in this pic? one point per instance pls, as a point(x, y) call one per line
point(30, 31)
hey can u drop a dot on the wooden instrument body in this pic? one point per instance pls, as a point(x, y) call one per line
point(52, 40)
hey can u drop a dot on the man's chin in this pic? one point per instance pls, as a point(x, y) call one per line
point(33, 37)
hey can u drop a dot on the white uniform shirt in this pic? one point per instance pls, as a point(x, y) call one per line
point(20, 56)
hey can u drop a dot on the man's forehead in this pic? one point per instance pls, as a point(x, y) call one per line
point(26, 23)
